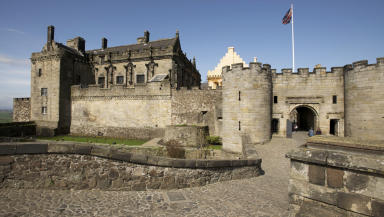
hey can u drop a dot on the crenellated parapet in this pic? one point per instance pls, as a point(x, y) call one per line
point(362, 65)
point(304, 72)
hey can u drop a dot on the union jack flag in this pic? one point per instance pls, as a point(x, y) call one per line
point(287, 17)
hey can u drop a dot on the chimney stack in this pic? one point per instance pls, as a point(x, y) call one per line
point(51, 34)
point(104, 43)
point(146, 36)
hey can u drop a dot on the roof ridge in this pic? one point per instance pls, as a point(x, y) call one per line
point(132, 45)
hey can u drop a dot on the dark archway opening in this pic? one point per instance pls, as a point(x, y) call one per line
point(275, 125)
point(305, 118)
point(333, 125)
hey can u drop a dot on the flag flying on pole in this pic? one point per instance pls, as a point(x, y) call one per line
point(287, 17)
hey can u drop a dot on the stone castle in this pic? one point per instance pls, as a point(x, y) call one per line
point(138, 90)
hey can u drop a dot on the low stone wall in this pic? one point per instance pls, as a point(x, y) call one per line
point(188, 136)
point(90, 166)
point(118, 132)
point(333, 176)
point(18, 129)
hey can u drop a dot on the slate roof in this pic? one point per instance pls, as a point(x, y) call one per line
point(155, 44)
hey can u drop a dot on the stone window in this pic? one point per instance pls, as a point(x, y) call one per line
point(140, 79)
point(44, 91)
point(101, 82)
point(119, 79)
point(239, 125)
point(275, 99)
point(44, 110)
point(334, 99)
point(39, 72)
point(239, 95)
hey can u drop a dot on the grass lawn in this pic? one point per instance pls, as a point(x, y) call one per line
point(5, 116)
point(130, 142)
point(215, 147)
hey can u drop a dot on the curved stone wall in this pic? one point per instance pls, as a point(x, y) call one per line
point(88, 166)
point(364, 100)
point(246, 105)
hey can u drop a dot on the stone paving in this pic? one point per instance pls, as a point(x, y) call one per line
point(266, 195)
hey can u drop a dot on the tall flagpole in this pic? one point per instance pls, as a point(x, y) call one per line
point(293, 43)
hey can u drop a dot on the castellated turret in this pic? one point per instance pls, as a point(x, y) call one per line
point(246, 105)
point(364, 100)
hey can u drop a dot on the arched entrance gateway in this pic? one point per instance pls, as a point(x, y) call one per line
point(305, 117)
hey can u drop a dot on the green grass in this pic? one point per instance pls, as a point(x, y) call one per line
point(215, 147)
point(129, 142)
point(5, 116)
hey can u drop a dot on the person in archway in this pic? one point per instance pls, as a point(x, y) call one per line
point(310, 132)
point(318, 131)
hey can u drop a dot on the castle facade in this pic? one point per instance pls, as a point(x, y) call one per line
point(136, 91)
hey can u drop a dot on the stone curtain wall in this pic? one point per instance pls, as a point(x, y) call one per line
point(337, 177)
point(314, 89)
point(142, 112)
point(77, 166)
point(364, 100)
point(21, 109)
point(197, 107)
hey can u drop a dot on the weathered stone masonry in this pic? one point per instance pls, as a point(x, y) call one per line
point(87, 166)
point(21, 109)
point(337, 177)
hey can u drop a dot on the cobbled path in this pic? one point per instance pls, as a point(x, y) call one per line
point(266, 195)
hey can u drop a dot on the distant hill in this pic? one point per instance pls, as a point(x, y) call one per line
point(5, 115)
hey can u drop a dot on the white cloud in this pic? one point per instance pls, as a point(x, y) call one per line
point(13, 81)
point(12, 30)
point(13, 61)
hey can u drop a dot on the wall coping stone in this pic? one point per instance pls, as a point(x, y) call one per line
point(117, 153)
point(365, 162)
point(346, 142)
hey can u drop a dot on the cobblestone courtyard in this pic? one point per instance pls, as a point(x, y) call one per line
point(266, 195)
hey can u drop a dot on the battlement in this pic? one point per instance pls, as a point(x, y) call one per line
point(27, 99)
point(363, 65)
point(303, 72)
point(322, 71)
point(254, 67)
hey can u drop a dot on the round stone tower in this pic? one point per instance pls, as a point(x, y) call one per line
point(364, 100)
point(247, 110)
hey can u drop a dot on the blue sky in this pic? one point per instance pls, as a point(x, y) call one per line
point(327, 32)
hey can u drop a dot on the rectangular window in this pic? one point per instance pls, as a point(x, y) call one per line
point(119, 79)
point(39, 72)
point(239, 125)
point(101, 81)
point(334, 99)
point(275, 99)
point(44, 91)
point(139, 79)
point(239, 95)
point(44, 110)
